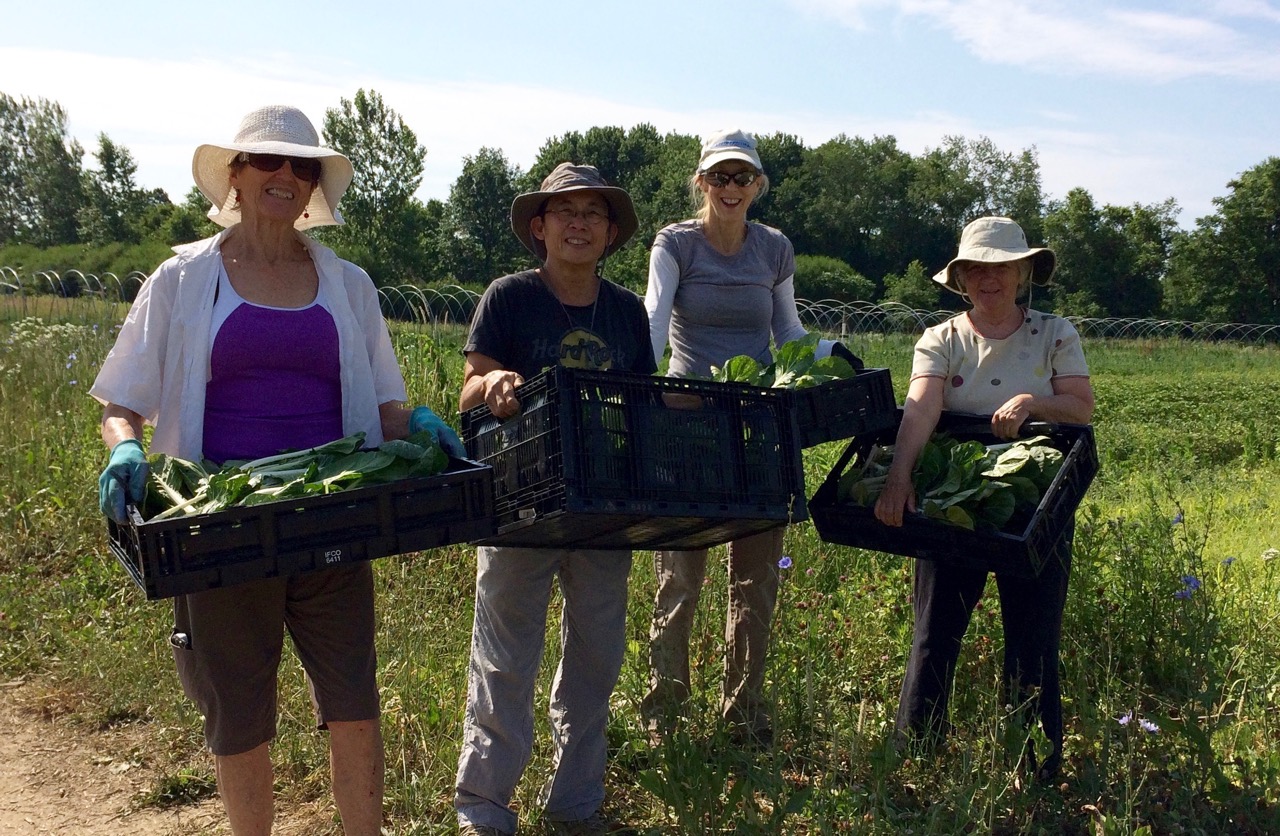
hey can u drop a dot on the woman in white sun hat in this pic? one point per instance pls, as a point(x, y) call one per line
point(999, 358)
point(720, 286)
point(257, 340)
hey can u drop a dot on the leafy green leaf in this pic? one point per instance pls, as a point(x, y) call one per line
point(183, 488)
point(739, 369)
point(963, 482)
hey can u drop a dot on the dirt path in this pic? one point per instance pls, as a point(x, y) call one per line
point(55, 781)
point(52, 781)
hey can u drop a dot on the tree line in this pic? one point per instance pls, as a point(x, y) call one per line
point(869, 220)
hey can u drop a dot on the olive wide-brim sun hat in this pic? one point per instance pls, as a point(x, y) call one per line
point(563, 179)
point(993, 240)
point(275, 129)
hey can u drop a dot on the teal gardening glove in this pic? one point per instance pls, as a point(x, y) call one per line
point(126, 474)
point(422, 418)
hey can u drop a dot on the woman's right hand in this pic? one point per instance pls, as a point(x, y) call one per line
point(500, 392)
point(898, 494)
point(124, 480)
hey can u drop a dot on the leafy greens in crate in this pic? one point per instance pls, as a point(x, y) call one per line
point(177, 487)
point(964, 483)
point(792, 368)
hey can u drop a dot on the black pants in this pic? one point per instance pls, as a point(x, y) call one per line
point(945, 596)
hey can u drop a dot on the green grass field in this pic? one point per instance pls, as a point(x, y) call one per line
point(1171, 623)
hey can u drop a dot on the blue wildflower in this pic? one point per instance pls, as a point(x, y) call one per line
point(1124, 721)
point(1227, 561)
point(1184, 594)
point(784, 562)
point(1191, 582)
point(1148, 726)
point(1177, 518)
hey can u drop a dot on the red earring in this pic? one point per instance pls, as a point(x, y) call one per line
point(237, 195)
point(306, 214)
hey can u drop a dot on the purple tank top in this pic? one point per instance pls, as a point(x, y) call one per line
point(275, 383)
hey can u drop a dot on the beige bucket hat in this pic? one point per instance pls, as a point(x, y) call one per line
point(994, 240)
point(275, 129)
point(568, 177)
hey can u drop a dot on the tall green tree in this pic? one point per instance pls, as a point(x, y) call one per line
point(965, 179)
point(40, 174)
point(178, 224)
point(113, 202)
point(851, 199)
point(477, 230)
point(780, 154)
point(13, 196)
point(623, 157)
point(1111, 259)
point(383, 230)
point(670, 201)
point(1228, 268)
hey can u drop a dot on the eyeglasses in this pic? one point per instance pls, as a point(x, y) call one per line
point(718, 179)
point(304, 168)
point(566, 215)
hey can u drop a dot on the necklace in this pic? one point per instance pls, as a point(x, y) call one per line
point(594, 303)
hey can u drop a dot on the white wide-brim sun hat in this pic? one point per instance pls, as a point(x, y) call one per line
point(275, 129)
point(993, 240)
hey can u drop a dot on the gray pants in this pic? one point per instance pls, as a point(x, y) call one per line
point(753, 593)
point(513, 593)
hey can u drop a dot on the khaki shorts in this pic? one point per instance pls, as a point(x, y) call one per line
point(227, 645)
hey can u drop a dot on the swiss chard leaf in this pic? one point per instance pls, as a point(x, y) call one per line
point(739, 369)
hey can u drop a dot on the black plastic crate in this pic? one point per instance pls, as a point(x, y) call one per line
point(1021, 553)
point(845, 408)
point(192, 554)
point(600, 459)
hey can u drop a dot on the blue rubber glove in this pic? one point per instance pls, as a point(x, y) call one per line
point(126, 475)
point(423, 418)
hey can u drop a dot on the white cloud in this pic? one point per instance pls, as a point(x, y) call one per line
point(1094, 38)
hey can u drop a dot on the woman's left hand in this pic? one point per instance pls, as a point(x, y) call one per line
point(422, 419)
point(1009, 418)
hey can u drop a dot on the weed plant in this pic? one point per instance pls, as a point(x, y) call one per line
point(1169, 650)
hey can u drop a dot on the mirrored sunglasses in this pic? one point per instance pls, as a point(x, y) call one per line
point(718, 179)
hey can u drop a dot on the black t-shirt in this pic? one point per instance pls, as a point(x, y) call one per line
point(521, 325)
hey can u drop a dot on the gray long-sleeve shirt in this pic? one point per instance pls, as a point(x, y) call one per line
point(714, 306)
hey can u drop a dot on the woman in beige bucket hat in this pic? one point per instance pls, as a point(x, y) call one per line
point(1002, 359)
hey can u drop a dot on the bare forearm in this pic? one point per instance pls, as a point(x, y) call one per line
point(119, 424)
point(1063, 408)
point(394, 416)
point(472, 393)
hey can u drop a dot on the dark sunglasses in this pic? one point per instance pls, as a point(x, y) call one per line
point(719, 179)
point(304, 168)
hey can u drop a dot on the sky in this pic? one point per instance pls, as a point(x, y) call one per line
point(1134, 101)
